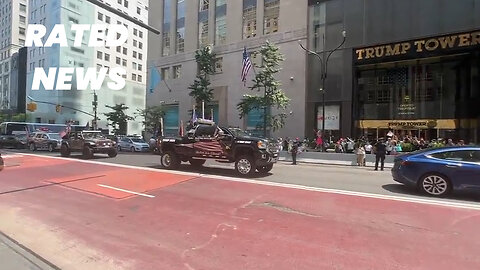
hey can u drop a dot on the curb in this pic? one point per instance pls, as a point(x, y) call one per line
point(24, 252)
point(332, 162)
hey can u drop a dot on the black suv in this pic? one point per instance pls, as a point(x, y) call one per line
point(208, 141)
point(87, 143)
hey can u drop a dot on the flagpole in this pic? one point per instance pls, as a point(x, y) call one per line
point(211, 114)
point(161, 126)
point(203, 110)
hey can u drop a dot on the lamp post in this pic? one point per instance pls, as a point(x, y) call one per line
point(323, 72)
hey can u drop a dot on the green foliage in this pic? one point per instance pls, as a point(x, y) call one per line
point(151, 118)
point(268, 87)
point(117, 118)
point(200, 89)
point(18, 117)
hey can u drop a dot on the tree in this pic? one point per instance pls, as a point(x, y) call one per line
point(200, 89)
point(273, 95)
point(118, 118)
point(151, 118)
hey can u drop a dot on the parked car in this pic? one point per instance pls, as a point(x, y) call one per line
point(439, 171)
point(18, 141)
point(44, 141)
point(133, 144)
point(88, 143)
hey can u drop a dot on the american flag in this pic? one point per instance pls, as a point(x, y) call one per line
point(247, 65)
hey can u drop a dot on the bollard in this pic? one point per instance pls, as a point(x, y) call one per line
point(1, 163)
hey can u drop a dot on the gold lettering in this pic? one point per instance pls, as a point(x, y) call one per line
point(370, 53)
point(464, 40)
point(419, 45)
point(447, 41)
point(395, 50)
point(360, 54)
point(431, 44)
point(379, 51)
point(475, 38)
point(405, 47)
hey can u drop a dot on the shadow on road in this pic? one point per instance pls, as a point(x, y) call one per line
point(457, 196)
point(211, 170)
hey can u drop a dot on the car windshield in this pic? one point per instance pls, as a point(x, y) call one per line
point(138, 141)
point(54, 136)
point(239, 132)
point(93, 135)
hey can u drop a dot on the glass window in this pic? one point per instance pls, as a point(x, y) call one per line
point(180, 48)
point(316, 27)
point(219, 65)
point(203, 33)
point(100, 16)
point(221, 23)
point(166, 27)
point(204, 4)
point(124, 62)
point(165, 72)
point(461, 155)
point(272, 12)
point(249, 18)
point(171, 120)
point(177, 72)
point(107, 57)
point(99, 55)
point(140, 78)
point(134, 77)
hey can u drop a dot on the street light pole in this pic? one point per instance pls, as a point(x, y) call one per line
point(323, 73)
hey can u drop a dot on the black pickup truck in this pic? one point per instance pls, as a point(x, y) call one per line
point(226, 145)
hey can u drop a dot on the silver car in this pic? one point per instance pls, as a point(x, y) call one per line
point(45, 141)
point(133, 145)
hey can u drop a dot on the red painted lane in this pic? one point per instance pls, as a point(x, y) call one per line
point(213, 224)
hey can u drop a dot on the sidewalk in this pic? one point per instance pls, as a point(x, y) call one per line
point(14, 256)
point(333, 159)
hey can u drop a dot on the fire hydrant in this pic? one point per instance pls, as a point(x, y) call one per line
point(1, 163)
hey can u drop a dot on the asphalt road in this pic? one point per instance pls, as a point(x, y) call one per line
point(343, 178)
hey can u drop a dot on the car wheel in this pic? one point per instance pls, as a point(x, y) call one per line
point(51, 148)
point(87, 152)
point(170, 160)
point(197, 162)
point(32, 147)
point(112, 153)
point(245, 166)
point(132, 149)
point(265, 169)
point(435, 185)
point(64, 151)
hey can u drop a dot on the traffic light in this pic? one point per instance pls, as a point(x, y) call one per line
point(31, 107)
point(58, 108)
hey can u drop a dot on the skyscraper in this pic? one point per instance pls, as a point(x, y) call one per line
point(13, 25)
point(131, 56)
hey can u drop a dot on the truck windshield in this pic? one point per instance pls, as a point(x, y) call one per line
point(239, 132)
point(93, 135)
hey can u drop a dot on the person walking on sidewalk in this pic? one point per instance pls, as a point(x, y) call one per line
point(294, 151)
point(380, 152)
point(360, 151)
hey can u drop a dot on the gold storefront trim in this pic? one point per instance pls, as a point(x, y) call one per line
point(418, 124)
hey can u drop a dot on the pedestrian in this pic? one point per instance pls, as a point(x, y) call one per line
point(286, 144)
point(380, 152)
point(360, 151)
point(368, 148)
point(461, 143)
point(294, 151)
point(319, 142)
point(450, 142)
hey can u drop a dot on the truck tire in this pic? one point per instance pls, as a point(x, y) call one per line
point(245, 166)
point(87, 152)
point(113, 153)
point(197, 162)
point(64, 151)
point(170, 160)
point(265, 169)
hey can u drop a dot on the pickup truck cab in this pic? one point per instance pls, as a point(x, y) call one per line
point(227, 145)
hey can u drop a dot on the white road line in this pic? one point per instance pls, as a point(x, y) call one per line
point(5, 156)
point(435, 202)
point(127, 191)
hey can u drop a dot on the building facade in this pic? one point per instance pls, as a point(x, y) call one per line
point(131, 56)
point(407, 67)
point(230, 26)
point(13, 24)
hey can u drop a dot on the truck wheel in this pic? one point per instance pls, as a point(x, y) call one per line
point(113, 153)
point(64, 151)
point(265, 169)
point(245, 166)
point(87, 152)
point(170, 160)
point(197, 162)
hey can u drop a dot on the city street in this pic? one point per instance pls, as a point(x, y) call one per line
point(128, 213)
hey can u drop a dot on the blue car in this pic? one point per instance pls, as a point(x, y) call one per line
point(439, 171)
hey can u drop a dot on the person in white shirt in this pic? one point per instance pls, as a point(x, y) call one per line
point(368, 148)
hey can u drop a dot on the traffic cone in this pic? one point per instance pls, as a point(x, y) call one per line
point(1, 163)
